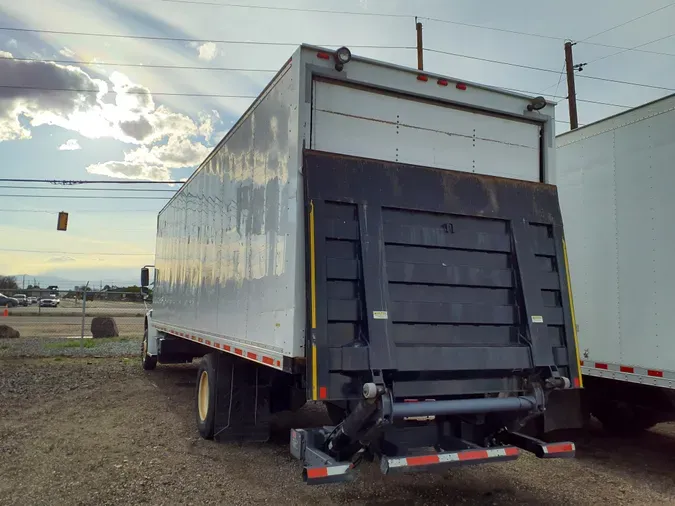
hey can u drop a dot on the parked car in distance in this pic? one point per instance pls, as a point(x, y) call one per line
point(32, 300)
point(8, 301)
point(48, 302)
point(21, 297)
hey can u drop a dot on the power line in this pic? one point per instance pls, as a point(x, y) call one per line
point(82, 197)
point(181, 39)
point(131, 92)
point(289, 9)
point(488, 60)
point(630, 21)
point(634, 48)
point(584, 76)
point(75, 252)
point(84, 189)
point(84, 181)
point(88, 211)
point(529, 92)
point(142, 65)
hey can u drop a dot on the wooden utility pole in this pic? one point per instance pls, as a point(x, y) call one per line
point(420, 46)
point(571, 89)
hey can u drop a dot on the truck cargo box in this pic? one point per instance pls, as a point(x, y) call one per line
point(383, 240)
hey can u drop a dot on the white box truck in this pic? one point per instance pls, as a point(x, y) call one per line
point(381, 240)
point(615, 179)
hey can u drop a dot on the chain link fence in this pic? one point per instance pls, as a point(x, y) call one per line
point(45, 313)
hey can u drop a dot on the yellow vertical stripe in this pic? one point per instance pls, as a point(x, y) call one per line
point(574, 320)
point(312, 263)
point(312, 282)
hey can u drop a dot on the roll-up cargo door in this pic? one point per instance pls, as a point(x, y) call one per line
point(372, 123)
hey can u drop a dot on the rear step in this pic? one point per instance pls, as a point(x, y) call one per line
point(320, 468)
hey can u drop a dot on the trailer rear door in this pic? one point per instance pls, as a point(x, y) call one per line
point(443, 282)
point(374, 123)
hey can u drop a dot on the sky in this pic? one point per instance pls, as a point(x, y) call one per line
point(132, 129)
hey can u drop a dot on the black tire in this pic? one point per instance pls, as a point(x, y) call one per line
point(149, 362)
point(621, 419)
point(205, 401)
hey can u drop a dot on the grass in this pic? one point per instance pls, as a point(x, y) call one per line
point(75, 343)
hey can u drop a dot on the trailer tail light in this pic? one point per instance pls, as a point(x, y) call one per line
point(460, 86)
point(625, 368)
point(422, 78)
point(323, 56)
point(599, 365)
point(442, 82)
point(655, 374)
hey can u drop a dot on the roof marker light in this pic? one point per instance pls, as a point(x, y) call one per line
point(422, 78)
point(442, 82)
point(460, 86)
point(323, 56)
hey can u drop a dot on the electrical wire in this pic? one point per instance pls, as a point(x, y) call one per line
point(75, 252)
point(85, 189)
point(488, 60)
point(88, 211)
point(85, 181)
point(634, 48)
point(81, 197)
point(130, 92)
point(629, 21)
point(182, 39)
point(141, 65)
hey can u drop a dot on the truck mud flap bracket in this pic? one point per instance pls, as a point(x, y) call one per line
point(318, 467)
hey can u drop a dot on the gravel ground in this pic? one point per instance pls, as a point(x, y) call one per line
point(51, 347)
point(102, 431)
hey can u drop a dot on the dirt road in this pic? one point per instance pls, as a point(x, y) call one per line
point(101, 431)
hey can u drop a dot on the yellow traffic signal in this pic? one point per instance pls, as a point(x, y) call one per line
point(63, 221)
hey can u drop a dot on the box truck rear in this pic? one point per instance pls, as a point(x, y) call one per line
point(384, 241)
point(615, 179)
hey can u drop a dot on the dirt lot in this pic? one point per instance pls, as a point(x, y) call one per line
point(101, 431)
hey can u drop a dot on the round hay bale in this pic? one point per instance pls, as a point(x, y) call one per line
point(7, 332)
point(104, 326)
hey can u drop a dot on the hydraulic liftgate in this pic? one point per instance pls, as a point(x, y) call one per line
point(426, 284)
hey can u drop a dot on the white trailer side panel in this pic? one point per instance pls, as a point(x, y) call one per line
point(615, 183)
point(389, 127)
point(226, 247)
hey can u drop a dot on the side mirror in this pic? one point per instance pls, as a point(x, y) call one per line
point(145, 277)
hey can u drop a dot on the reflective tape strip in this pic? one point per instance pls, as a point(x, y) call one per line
point(629, 373)
point(559, 448)
point(218, 343)
point(443, 458)
point(324, 472)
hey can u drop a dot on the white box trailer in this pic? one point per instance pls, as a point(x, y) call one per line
point(368, 235)
point(615, 180)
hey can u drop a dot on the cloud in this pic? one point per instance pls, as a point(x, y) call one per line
point(70, 145)
point(207, 51)
point(156, 162)
point(67, 52)
point(164, 137)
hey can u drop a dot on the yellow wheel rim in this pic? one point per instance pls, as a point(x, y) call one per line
point(203, 395)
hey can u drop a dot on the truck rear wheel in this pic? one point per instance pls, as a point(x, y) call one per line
point(205, 396)
point(622, 419)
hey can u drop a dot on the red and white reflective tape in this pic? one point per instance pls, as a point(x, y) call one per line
point(633, 374)
point(554, 448)
point(450, 457)
point(315, 473)
point(268, 358)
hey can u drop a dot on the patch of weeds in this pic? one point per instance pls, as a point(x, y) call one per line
point(75, 343)
point(58, 359)
point(4, 347)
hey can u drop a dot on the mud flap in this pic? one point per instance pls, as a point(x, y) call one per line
point(563, 410)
